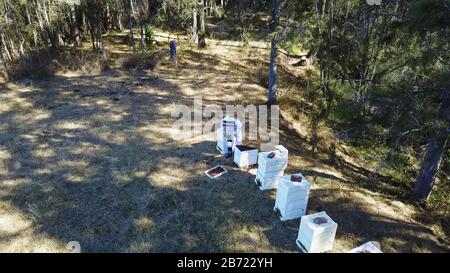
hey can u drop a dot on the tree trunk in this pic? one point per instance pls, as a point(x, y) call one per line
point(119, 25)
point(3, 61)
point(102, 45)
point(92, 33)
point(433, 156)
point(8, 54)
point(194, 26)
point(272, 95)
point(202, 17)
point(314, 138)
point(53, 39)
point(35, 41)
point(430, 166)
point(76, 26)
point(142, 38)
point(202, 33)
point(51, 32)
point(108, 18)
point(130, 26)
point(12, 48)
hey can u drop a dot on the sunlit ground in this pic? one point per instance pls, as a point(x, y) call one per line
point(91, 157)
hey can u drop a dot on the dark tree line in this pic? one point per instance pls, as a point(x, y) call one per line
point(384, 72)
point(31, 26)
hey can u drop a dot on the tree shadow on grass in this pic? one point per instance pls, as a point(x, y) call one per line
point(91, 175)
point(74, 189)
point(105, 172)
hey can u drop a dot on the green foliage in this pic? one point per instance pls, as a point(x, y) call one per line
point(220, 12)
point(295, 41)
point(201, 35)
point(382, 71)
point(150, 39)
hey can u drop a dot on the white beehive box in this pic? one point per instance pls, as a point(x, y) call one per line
point(269, 181)
point(315, 236)
point(292, 197)
point(368, 247)
point(230, 130)
point(245, 156)
point(277, 163)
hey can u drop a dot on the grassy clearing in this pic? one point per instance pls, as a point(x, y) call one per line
point(90, 157)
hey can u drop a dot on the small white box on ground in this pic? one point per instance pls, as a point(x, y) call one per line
point(369, 247)
point(316, 233)
point(269, 181)
point(216, 172)
point(292, 196)
point(245, 156)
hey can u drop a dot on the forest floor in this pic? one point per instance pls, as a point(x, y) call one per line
point(90, 157)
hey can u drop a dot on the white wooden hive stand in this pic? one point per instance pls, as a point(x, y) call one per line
point(270, 170)
point(316, 233)
point(292, 197)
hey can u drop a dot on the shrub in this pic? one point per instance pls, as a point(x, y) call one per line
point(143, 62)
point(131, 62)
point(150, 41)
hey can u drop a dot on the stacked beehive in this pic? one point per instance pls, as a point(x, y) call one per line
point(316, 233)
point(271, 166)
point(292, 196)
point(229, 134)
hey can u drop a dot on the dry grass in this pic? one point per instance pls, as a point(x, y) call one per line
point(91, 158)
point(145, 61)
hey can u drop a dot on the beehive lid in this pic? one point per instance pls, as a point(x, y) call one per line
point(368, 247)
point(289, 183)
point(319, 220)
point(265, 155)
